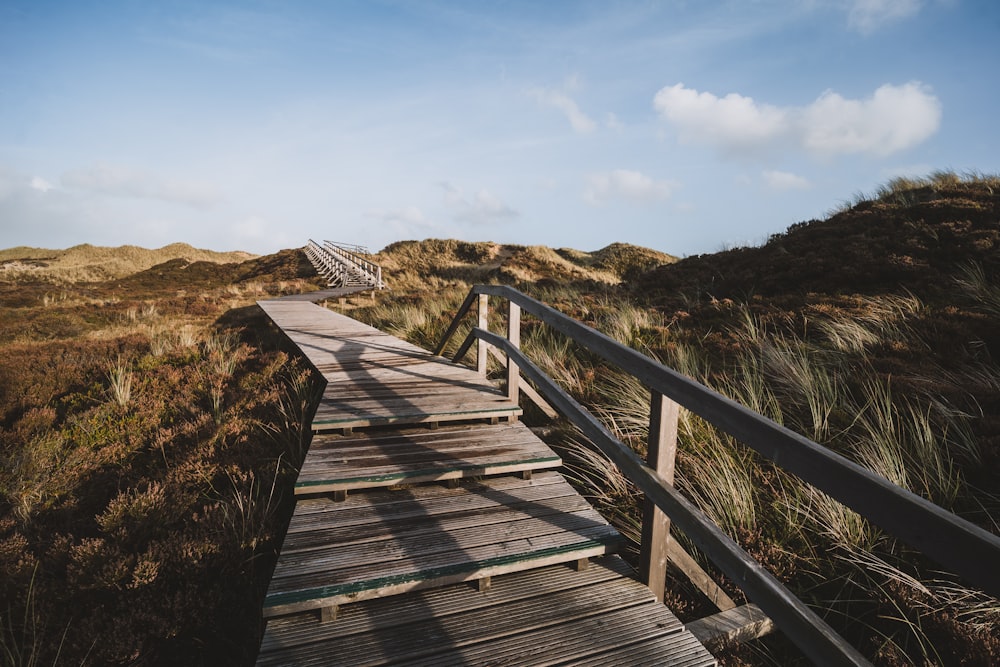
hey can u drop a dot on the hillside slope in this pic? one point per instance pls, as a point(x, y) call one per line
point(88, 263)
point(437, 262)
point(912, 236)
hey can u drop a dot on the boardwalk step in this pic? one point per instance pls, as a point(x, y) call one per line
point(431, 537)
point(385, 458)
point(552, 615)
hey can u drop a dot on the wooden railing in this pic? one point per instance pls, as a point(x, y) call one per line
point(955, 543)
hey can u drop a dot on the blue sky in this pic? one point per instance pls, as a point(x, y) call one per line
point(683, 126)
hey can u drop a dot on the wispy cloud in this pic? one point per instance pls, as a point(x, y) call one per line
point(482, 208)
point(626, 184)
point(783, 180)
point(558, 99)
point(893, 119)
point(122, 181)
point(868, 16)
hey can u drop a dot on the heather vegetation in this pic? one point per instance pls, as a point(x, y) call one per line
point(875, 332)
point(150, 430)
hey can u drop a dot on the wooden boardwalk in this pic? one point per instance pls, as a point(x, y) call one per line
point(391, 557)
point(377, 379)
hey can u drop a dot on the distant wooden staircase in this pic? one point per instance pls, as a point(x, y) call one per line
point(344, 265)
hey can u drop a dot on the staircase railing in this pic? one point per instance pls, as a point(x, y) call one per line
point(357, 264)
point(959, 545)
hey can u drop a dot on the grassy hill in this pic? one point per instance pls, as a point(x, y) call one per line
point(88, 263)
point(913, 234)
point(421, 265)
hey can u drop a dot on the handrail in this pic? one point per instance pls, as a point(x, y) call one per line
point(351, 247)
point(961, 546)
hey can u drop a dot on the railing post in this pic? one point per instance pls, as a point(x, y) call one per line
point(482, 321)
point(661, 451)
point(514, 336)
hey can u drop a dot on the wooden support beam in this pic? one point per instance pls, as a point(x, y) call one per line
point(340, 495)
point(660, 455)
point(484, 584)
point(737, 625)
point(683, 561)
point(514, 336)
point(328, 614)
point(581, 564)
point(482, 321)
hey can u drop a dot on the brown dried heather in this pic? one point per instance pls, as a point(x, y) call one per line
point(148, 522)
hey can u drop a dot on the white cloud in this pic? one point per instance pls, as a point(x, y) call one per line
point(783, 180)
point(121, 181)
point(40, 184)
point(611, 120)
point(483, 208)
point(626, 184)
point(556, 99)
point(894, 118)
point(734, 122)
point(867, 16)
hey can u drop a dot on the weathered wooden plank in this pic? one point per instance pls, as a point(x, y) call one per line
point(740, 624)
point(471, 570)
point(526, 618)
point(324, 513)
point(333, 422)
point(386, 458)
point(675, 650)
point(398, 563)
point(387, 613)
point(413, 550)
point(575, 638)
point(322, 535)
point(661, 451)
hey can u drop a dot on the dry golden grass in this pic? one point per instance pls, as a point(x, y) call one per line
point(434, 263)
